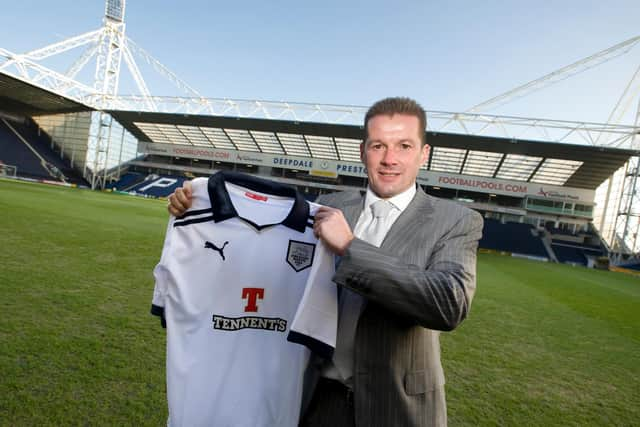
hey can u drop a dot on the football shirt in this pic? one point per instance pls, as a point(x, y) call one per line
point(242, 282)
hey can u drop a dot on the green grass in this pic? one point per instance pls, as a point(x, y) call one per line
point(544, 344)
point(78, 346)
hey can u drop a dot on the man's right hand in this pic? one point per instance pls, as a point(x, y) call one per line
point(180, 200)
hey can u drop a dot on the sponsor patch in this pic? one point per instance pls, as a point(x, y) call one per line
point(249, 322)
point(255, 196)
point(300, 255)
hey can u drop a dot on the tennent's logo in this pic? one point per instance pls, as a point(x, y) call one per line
point(252, 295)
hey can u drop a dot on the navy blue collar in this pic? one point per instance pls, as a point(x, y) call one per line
point(223, 208)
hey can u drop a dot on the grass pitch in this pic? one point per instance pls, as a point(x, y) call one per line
point(545, 344)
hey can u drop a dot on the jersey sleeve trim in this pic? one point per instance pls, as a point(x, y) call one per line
point(194, 212)
point(156, 310)
point(193, 221)
point(318, 347)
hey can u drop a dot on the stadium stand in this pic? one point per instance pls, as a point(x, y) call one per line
point(559, 231)
point(35, 158)
point(127, 181)
point(152, 185)
point(569, 254)
point(517, 238)
point(635, 267)
point(582, 247)
point(512, 237)
point(15, 152)
point(158, 186)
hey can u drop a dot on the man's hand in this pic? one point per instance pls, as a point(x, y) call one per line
point(331, 226)
point(180, 200)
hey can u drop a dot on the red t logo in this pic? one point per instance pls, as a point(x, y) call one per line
point(252, 294)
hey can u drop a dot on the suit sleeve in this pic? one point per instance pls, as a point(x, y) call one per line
point(436, 297)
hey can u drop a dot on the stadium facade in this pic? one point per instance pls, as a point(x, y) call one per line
point(567, 177)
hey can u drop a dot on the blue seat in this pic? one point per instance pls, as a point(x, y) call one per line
point(512, 237)
point(158, 185)
point(13, 151)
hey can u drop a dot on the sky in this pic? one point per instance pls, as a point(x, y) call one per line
point(449, 55)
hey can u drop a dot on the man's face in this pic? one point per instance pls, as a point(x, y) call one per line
point(393, 153)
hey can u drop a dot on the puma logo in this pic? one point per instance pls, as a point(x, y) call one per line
point(210, 245)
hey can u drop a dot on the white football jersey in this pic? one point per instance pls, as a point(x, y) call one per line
point(241, 283)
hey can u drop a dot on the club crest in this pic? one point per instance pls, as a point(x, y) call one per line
point(300, 255)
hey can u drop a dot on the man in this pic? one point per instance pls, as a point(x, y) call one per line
point(404, 275)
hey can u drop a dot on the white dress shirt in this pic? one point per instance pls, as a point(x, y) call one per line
point(341, 366)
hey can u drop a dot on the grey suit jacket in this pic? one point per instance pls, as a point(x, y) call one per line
point(419, 282)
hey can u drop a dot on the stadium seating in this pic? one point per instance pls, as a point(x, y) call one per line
point(15, 152)
point(157, 185)
point(516, 238)
point(635, 267)
point(575, 253)
point(569, 254)
point(559, 231)
point(512, 237)
point(127, 181)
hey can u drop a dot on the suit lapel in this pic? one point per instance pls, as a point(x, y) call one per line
point(415, 216)
point(352, 209)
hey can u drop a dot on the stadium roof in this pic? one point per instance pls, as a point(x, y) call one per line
point(19, 97)
point(570, 165)
point(573, 165)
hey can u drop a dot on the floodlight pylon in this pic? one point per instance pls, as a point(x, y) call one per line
point(110, 47)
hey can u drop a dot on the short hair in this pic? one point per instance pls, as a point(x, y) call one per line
point(397, 105)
